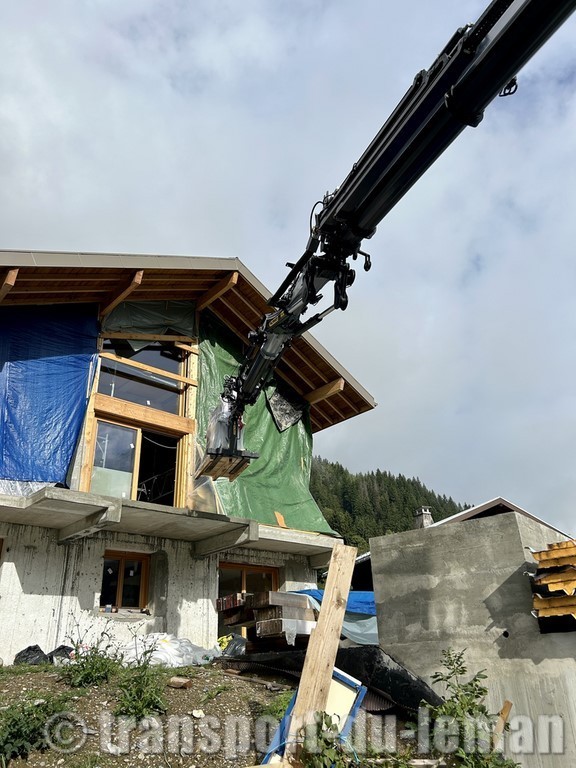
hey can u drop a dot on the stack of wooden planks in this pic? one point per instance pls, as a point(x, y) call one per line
point(272, 619)
point(554, 586)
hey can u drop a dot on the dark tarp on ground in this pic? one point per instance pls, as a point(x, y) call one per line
point(375, 669)
point(279, 480)
point(47, 356)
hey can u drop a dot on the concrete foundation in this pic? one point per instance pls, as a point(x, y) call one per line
point(464, 586)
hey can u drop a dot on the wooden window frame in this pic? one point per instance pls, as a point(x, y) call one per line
point(127, 414)
point(122, 556)
point(137, 447)
point(243, 567)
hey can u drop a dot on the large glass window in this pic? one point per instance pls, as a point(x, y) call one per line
point(141, 419)
point(133, 371)
point(143, 387)
point(114, 460)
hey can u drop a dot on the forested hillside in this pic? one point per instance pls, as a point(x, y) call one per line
point(362, 505)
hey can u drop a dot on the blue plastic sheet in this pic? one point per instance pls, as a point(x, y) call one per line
point(360, 623)
point(358, 602)
point(47, 357)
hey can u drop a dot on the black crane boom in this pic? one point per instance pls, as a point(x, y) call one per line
point(479, 62)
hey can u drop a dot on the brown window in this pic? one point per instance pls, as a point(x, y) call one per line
point(125, 580)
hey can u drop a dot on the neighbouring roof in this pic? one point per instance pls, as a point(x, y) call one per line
point(225, 286)
point(496, 506)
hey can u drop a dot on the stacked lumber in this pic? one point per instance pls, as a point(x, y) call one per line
point(272, 619)
point(554, 587)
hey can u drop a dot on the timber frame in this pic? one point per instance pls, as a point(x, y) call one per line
point(103, 408)
point(224, 288)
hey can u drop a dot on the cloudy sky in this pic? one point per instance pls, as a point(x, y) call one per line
point(210, 128)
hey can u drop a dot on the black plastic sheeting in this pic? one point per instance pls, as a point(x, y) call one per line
point(153, 317)
point(378, 671)
point(33, 654)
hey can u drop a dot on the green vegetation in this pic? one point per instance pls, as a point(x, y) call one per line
point(213, 693)
point(363, 505)
point(24, 669)
point(278, 706)
point(23, 726)
point(465, 714)
point(461, 731)
point(93, 664)
point(141, 690)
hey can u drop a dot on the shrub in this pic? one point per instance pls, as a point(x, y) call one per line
point(141, 690)
point(23, 725)
point(93, 663)
point(465, 705)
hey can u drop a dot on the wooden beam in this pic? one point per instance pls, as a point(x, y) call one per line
point(134, 283)
point(318, 666)
point(148, 337)
point(148, 368)
point(554, 602)
point(8, 283)
point(501, 723)
point(326, 391)
point(569, 610)
point(548, 555)
point(142, 416)
point(217, 291)
point(236, 538)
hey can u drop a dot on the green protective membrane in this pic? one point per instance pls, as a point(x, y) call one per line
point(279, 480)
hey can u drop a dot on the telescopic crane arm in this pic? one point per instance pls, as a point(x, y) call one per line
point(479, 62)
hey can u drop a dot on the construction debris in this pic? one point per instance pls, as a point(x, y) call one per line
point(554, 587)
point(276, 616)
point(179, 682)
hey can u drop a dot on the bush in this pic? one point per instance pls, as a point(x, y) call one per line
point(92, 664)
point(464, 705)
point(141, 690)
point(23, 725)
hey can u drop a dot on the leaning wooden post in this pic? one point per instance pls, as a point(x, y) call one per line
point(498, 731)
point(320, 658)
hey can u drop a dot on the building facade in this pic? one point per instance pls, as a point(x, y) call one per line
point(109, 368)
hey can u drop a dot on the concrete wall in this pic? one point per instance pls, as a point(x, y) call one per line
point(463, 586)
point(50, 592)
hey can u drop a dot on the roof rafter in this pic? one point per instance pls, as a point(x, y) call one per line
point(326, 391)
point(221, 287)
point(8, 282)
point(119, 298)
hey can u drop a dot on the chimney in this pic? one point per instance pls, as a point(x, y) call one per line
point(423, 517)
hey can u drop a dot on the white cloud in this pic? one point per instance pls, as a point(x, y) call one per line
point(212, 128)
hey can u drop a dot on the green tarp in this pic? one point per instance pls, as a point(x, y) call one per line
point(274, 489)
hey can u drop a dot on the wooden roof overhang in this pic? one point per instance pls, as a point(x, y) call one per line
point(224, 287)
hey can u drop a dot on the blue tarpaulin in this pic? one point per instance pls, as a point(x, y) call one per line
point(360, 624)
point(46, 360)
point(358, 602)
